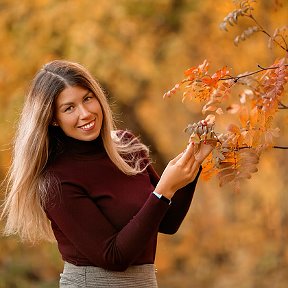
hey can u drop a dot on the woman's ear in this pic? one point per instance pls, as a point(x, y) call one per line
point(54, 123)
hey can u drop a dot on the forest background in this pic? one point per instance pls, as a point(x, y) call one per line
point(138, 50)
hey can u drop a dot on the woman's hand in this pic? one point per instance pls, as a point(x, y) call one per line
point(202, 150)
point(183, 169)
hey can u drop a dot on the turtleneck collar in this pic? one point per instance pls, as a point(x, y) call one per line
point(84, 148)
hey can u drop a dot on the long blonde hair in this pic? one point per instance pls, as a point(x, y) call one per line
point(27, 182)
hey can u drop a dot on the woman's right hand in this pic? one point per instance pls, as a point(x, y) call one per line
point(183, 169)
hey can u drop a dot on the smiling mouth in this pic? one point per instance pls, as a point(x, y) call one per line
point(88, 126)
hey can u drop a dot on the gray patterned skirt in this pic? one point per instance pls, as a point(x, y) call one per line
point(140, 276)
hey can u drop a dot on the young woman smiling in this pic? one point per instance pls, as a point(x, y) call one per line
point(78, 113)
point(77, 179)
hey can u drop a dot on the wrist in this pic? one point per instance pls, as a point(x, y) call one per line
point(162, 197)
point(168, 193)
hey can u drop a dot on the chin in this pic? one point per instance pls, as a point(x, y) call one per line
point(89, 137)
point(83, 136)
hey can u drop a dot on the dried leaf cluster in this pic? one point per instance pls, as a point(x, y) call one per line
point(239, 148)
point(245, 10)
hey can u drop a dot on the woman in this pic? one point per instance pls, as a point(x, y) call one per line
point(75, 178)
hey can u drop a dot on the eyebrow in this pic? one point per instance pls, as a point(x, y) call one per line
point(70, 103)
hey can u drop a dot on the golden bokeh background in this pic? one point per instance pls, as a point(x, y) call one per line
point(138, 49)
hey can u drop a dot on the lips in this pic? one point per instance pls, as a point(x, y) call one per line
point(89, 126)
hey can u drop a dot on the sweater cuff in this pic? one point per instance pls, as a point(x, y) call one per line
point(161, 197)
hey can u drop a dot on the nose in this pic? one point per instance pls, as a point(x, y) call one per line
point(83, 112)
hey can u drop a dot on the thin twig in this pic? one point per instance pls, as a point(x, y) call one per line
point(283, 39)
point(280, 147)
point(236, 78)
point(282, 106)
point(265, 32)
point(250, 147)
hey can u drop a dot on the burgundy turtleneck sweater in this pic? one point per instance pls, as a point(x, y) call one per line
point(103, 217)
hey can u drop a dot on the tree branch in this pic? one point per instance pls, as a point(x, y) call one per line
point(282, 106)
point(236, 78)
point(280, 147)
point(265, 32)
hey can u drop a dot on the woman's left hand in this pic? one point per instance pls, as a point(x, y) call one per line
point(202, 150)
point(183, 169)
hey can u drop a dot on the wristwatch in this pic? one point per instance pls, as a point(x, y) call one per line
point(163, 198)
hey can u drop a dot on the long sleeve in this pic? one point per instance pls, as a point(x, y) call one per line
point(180, 204)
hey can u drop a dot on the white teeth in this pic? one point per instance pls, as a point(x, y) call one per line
point(87, 126)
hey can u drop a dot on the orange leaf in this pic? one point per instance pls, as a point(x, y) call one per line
point(209, 81)
point(244, 116)
point(210, 119)
point(234, 129)
point(190, 71)
point(204, 66)
point(210, 108)
point(226, 172)
point(243, 175)
point(254, 116)
point(226, 179)
point(248, 137)
point(219, 111)
point(233, 108)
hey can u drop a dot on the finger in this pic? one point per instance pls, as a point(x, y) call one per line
point(174, 160)
point(204, 151)
point(188, 154)
point(195, 169)
point(197, 148)
point(211, 142)
point(193, 165)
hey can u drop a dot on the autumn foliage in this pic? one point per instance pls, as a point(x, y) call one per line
point(261, 94)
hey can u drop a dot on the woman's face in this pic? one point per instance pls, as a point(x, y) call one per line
point(78, 113)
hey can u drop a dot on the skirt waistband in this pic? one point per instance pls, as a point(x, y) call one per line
point(134, 268)
point(142, 276)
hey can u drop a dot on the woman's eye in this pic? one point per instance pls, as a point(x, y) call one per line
point(68, 109)
point(88, 98)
